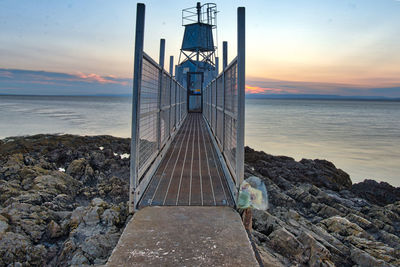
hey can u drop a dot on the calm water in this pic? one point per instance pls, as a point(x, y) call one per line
point(361, 137)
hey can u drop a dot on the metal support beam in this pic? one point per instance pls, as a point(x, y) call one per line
point(160, 85)
point(241, 46)
point(137, 78)
point(216, 66)
point(171, 101)
point(224, 54)
point(171, 65)
point(162, 53)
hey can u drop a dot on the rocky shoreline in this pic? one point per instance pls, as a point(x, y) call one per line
point(63, 202)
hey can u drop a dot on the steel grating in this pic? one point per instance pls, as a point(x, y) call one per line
point(190, 172)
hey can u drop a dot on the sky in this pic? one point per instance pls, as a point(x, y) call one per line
point(333, 47)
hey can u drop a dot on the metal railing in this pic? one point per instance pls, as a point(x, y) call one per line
point(159, 106)
point(208, 14)
point(223, 107)
point(160, 95)
point(220, 105)
point(162, 108)
point(158, 109)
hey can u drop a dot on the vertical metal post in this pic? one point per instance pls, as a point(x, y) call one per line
point(171, 101)
point(162, 53)
point(216, 66)
point(171, 65)
point(224, 54)
point(223, 111)
point(137, 78)
point(241, 76)
point(160, 87)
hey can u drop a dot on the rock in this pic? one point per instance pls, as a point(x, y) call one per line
point(100, 246)
point(342, 226)
point(110, 217)
point(9, 189)
point(265, 223)
point(317, 253)
point(268, 259)
point(27, 219)
point(99, 203)
point(77, 217)
point(92, 216)
point(377, 193)
point(77, 168)
point(56, 183)
point(54, 229)
point(360, 221)
point(17, 248)
point(53, 218)
point(286, 244)
point(3, 226)
point(327, 175)
point(364, 259)
point(79, 259)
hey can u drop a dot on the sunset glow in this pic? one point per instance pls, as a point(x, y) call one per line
point(263, 90)
point(319, 47)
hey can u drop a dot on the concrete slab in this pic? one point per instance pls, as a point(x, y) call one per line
point(184, 236)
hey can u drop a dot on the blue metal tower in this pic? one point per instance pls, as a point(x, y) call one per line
point(196, 65)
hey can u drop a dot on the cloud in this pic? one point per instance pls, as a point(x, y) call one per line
point(92, 77)
point(267, 90)
point(58, 83)
point(271, 86)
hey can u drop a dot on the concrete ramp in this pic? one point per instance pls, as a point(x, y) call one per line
point(184, 236)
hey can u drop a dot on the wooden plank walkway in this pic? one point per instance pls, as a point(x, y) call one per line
point(190, 173)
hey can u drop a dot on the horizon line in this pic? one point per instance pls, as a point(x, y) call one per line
point(248, 96)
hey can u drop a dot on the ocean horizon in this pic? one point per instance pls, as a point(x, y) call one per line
point(360, 136)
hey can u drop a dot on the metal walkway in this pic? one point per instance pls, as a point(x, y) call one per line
point(190, 174)
point(186, 168)
point(179, 158)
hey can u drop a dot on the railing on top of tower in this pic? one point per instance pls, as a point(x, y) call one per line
point(205, 13)
point(223, 108)
point(158, 110)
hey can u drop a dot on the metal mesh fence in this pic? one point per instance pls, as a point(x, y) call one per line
point(221, 112)
point(158, 102)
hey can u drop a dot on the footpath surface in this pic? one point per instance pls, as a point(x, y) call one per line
point(184, 236)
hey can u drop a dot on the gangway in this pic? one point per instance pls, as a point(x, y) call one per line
point(187, 151)
point(180, 156)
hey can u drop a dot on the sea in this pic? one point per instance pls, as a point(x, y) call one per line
point(361, 137)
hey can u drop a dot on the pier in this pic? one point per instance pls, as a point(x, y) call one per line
point(187, 152)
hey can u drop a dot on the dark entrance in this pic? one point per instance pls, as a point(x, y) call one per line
point(195, 89)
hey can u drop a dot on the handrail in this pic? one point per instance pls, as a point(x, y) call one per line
point(161, 108)
point(223, 106)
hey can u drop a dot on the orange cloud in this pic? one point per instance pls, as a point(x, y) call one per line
point(92, 77)
point(262, 90)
